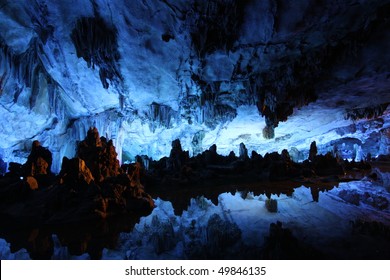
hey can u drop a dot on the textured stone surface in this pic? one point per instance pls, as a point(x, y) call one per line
point(85, 190)
point(39, 161)
point(269, 74)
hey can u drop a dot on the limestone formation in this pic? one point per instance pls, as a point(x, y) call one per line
point(90, 186)
point(99, 155)
point(39, 161)
point(312, 151)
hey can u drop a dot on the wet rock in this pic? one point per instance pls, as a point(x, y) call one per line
point(142, 203)
point(118, 190)
point(283, 167)
point(371, 145)
point(195, 250)
point(308, 172)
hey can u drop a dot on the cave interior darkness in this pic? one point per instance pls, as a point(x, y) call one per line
point(195, 129)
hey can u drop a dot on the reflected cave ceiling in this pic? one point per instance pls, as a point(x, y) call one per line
point(272, 74)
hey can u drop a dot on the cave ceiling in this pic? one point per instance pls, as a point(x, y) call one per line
point(272, 74)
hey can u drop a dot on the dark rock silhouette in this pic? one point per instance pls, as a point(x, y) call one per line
point(15, 169)
point(326, 165)
point(89, 186)
point(99, 155)
point(39, 161)
point(281, 244)
point(177, 157)
point(243, 152)
point(37, 168)
point(271, 205)
point(312, 151)
point(211, 169)
point(221, 235)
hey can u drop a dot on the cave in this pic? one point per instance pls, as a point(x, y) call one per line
point(195, 129)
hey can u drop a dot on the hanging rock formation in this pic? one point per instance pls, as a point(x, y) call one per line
point(266, 73)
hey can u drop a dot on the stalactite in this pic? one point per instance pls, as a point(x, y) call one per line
point(215, 25)
point(370, 112)
point(214, 114)
point(96, 42)
point(161, 116)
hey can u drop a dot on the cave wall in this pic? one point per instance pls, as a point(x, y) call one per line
point(274, 74)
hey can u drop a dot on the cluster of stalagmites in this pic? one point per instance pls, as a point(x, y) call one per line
point(211, 168)
point(93, 184)
point(90, 185)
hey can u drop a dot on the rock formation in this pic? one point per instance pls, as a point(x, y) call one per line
point(163, 80)
point(89, 186)
point(206, 72)
point(99, 155)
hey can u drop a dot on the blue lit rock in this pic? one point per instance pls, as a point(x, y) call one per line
point(160, 71)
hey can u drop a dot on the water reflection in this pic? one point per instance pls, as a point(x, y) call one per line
point(180, 196)
point(93, 237)
point(79, 238)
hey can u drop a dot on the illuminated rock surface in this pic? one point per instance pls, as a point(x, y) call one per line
point(148, 72)
point(329, 228)
point(170, 80)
